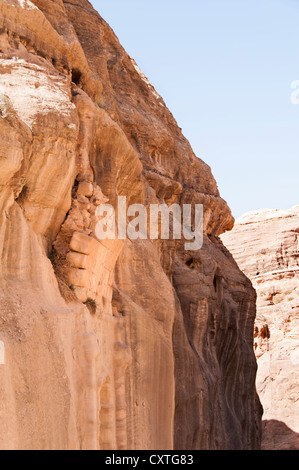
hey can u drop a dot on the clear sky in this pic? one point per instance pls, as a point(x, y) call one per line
point(224, 69)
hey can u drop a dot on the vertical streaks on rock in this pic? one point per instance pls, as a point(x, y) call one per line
point(117, 344)
point(265, 245)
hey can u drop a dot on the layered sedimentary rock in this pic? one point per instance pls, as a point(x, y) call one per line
point(112, 344)
point(266, 246)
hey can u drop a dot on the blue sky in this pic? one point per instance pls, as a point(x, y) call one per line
point(224, 69)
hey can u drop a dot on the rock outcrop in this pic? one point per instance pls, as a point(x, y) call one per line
point(117, 344)
point(265, 244)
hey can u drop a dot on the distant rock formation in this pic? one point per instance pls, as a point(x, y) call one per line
point(117, 344)
point(265, 245)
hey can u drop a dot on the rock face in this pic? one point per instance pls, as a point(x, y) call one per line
point(117, 344)
point(265, 244)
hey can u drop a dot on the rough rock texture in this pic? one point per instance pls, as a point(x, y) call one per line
point(114, 344)
point(265, 244)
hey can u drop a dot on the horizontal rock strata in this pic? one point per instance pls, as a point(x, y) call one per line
point(265, 245)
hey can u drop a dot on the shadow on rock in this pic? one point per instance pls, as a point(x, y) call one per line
point(278, 436)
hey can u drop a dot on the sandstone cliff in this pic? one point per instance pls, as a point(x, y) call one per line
point(120, 344)
point(265, 244)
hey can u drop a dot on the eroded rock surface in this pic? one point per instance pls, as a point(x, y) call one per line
point(265, 244)
point(121, 344)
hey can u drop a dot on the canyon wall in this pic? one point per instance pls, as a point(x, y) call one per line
point(113, 344)
point(265, 245)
